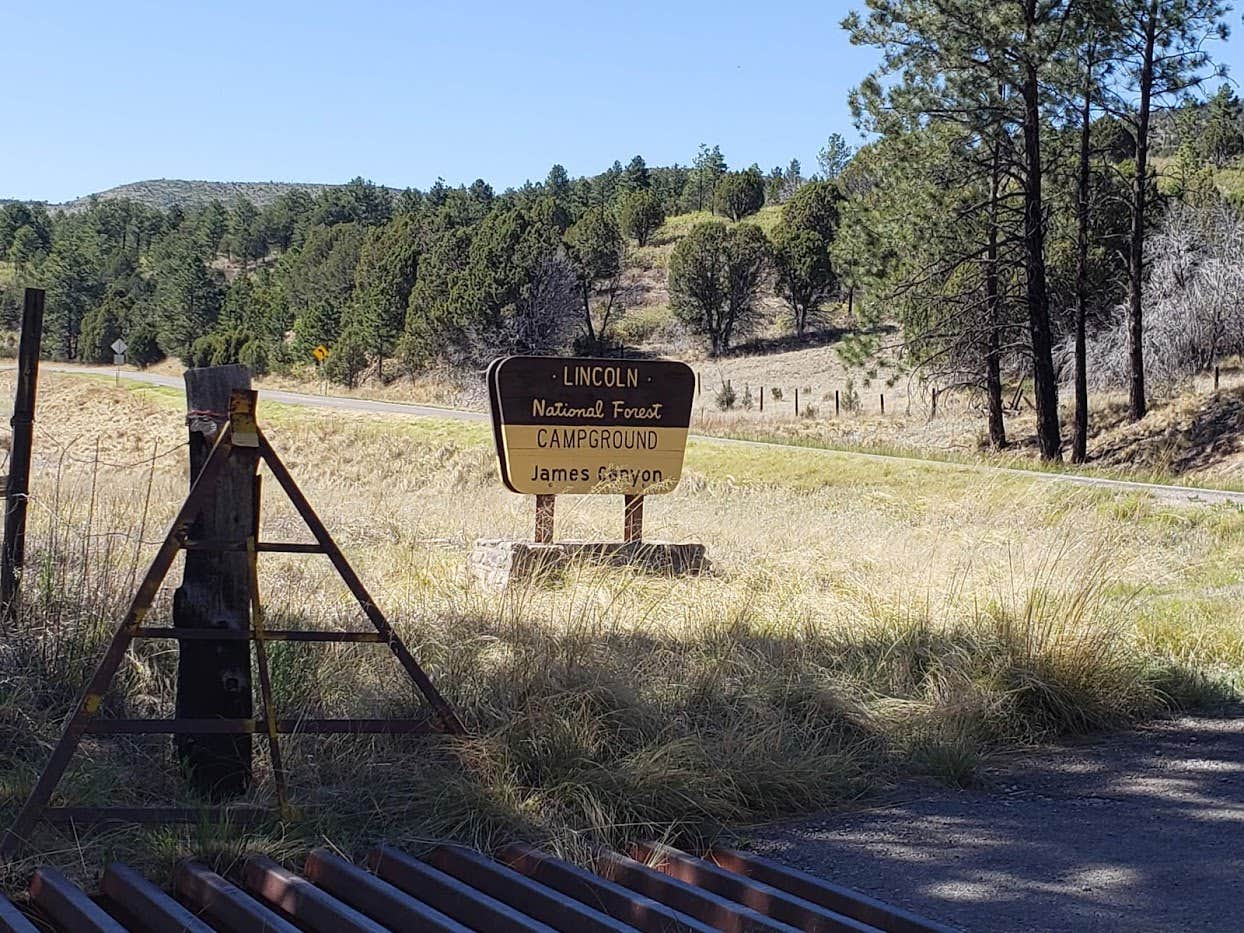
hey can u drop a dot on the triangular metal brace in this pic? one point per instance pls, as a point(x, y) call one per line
point(240, 431)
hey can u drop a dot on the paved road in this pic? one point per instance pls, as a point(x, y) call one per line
point(1189, 494)
point(1140, 832)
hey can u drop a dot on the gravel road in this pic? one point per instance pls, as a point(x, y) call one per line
point(1137, 832)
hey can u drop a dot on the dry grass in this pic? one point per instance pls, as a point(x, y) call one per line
point(863, 622)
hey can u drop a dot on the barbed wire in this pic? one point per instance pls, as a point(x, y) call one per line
point(65, 454)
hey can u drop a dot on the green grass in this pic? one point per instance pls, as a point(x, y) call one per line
point(983, 460)
point(679, 225)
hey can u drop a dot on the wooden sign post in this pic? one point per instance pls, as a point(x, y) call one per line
point(590, 426)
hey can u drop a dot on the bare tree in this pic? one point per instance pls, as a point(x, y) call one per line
point(1193, 298)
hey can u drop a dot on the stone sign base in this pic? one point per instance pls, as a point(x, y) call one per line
point(499, 563)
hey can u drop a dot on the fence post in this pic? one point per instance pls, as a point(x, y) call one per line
point(544, 519)
point(633, 519)
point(762, 398)
point(1215, 378)
point(836, 403)
point(214, 677)
point(796, 401)
point(883, 403)
point(17, 492)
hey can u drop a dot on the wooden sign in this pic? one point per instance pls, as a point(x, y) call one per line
point(588, 425)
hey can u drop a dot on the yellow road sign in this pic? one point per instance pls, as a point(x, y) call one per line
point(320, 353)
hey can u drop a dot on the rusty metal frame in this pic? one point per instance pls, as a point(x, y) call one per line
point(240, 431)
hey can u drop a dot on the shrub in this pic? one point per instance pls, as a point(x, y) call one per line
point(725, 396)
point(100, 329)
point(850, 397)
point(639, 214)
point(740, 193)
point(747, 401)
point(715, 273)
point(254, 355)
point(643, 324)
point(348, 359)
point(143, 349)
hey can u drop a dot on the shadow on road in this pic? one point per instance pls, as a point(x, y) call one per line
point(1137, 832)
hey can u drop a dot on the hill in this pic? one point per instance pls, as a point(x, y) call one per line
point(163, 193)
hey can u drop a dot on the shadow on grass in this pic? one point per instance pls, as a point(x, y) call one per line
point(581, 736)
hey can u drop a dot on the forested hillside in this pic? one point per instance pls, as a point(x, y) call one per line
point(163, 193)
point(394, 283)
point(1045, 226)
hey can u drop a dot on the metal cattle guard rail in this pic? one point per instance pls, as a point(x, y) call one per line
point(241, 431)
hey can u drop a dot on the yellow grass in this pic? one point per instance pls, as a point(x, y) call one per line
point(863, 620)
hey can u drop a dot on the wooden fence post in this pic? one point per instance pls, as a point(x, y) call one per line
point(796, 401)
point(544, 519)
point(633, 519)
point(836, 404)
point(883, 403)
point(762, 398)
point(17, 492)
point(214, 677)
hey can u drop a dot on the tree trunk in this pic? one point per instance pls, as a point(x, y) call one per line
point(1045, 388)
point(1136, 245)
point(587, 318)
point(993, 362)
point(214, 677)
point(1079, 440)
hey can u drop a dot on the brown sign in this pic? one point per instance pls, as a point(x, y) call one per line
point(590, 426)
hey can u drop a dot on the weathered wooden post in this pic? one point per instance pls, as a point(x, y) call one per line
point(762, 399)
point(17, 492)
point(544, 519)
point(214, 677)
point(633, 519)
point(883, 403)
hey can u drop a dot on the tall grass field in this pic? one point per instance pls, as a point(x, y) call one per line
point(863, 623)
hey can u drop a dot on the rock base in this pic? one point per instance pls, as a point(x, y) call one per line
point(499, 563)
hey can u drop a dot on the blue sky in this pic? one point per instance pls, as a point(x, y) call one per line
point(98, 94)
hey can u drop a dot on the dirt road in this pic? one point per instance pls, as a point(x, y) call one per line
point(1188, 494)
point(1138, 832)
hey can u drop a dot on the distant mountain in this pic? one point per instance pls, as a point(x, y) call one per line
point(163, 193)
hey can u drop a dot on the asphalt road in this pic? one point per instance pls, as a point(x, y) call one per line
point(1138, 832)
point(1170, 493)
